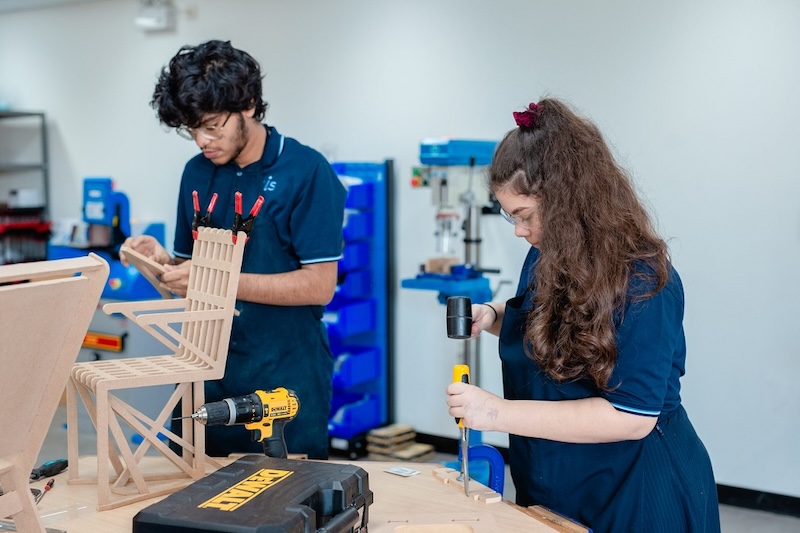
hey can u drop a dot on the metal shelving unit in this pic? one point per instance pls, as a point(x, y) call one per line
point(24, 229)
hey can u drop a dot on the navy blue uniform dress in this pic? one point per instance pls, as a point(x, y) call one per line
point(273, 346)
point(662, 483)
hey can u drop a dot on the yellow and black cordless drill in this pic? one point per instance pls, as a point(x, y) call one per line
point(265, 413)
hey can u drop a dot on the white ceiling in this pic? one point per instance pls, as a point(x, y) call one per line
point(7, 6)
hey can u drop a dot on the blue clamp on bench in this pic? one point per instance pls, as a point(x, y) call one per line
point(497, 467)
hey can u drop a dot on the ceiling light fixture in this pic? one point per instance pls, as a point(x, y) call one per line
point(155, 15)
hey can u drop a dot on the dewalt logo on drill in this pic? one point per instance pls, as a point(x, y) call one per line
point(279, 410)
point(247, 489)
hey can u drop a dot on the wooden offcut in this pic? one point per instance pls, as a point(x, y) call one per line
point(384, 441)
point(147, 268)
point(416, 452)
point(477, 492)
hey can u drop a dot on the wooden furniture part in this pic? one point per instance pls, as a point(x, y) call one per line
point(196, 329)
point(147, 268)
point(46, 310)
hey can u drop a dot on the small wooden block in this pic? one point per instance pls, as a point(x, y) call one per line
point(443, 475)
point(417, 452)
point(414, 452)
point(440, 265)
point(425, 458)
point(147, 268)
point(487, 497)
point(477, 492)
point(390, 431)
point(381, 441)
point(389, 449)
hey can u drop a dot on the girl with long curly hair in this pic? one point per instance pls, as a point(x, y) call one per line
point(592, 346)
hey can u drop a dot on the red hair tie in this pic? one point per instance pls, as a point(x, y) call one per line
point(529, 117)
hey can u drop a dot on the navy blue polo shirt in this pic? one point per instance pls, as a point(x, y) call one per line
point(651, 347)
point(303, 206)
point(299, 223)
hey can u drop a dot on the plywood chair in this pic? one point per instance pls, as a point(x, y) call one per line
point(196, 330)
point(46, 309)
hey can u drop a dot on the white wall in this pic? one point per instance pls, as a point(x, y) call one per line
point(700, 99)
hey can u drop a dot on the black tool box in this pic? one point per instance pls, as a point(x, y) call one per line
point(262, 494)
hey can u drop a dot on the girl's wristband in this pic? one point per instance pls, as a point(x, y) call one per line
point(493, 311)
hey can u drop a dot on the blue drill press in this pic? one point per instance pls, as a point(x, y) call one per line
point(106, 213)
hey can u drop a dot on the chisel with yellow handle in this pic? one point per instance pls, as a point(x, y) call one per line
point(461, 374)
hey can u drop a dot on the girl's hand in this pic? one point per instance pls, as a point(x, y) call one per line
point(477, 408)
point(482, 318)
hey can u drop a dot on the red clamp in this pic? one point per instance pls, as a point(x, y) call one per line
point(246, 224)
point(204, 220)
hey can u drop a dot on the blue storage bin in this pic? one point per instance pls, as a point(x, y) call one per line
point(357, 226)
point(354, 367)
point(354, 256)
point(357, 284)
point(338, 300)
point(360, 196)
point(356, 417)
point(354, 285)
point(340, 400)
point(345, 319)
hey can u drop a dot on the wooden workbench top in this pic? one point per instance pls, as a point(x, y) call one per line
point(417, 504)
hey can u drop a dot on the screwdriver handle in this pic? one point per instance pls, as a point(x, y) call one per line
point(460, 374)
point(49, 469)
